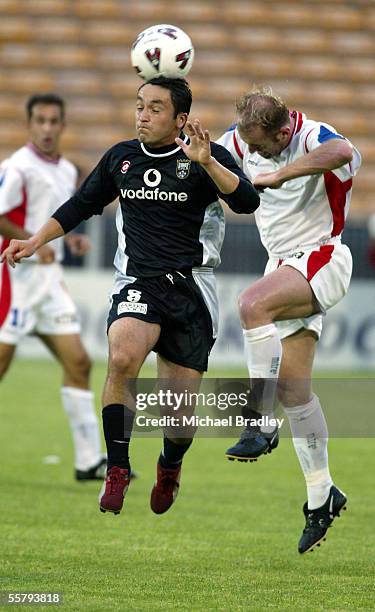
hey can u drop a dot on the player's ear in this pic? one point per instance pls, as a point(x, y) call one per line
point(181, 120)
point(284, 133)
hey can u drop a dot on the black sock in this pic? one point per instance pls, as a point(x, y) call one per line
point(117, 425)
point(172, 454)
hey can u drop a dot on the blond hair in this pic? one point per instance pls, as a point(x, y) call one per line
point(261, 108)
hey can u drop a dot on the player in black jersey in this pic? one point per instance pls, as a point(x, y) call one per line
point(169, 225)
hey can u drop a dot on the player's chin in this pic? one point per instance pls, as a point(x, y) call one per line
point(145, 138)
point(47, 145)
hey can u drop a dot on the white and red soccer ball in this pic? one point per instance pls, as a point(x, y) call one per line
point(162, 50)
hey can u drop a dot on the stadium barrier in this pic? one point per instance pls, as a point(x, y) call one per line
point(348, 339)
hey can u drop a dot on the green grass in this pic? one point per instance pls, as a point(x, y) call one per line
point(229, 543)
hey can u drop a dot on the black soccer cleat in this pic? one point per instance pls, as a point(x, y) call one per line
point(97, 472)
point(252, 444)
point(319, 520)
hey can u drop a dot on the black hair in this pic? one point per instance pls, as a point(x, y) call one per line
point(181, 95)
point(47, 98)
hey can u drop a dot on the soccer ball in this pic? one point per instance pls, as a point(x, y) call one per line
point(162, 50)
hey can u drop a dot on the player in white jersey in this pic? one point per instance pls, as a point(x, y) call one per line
point(303, 170)
point(33, 297)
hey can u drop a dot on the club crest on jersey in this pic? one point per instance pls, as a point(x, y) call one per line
point(125, 166)
point(183, 168)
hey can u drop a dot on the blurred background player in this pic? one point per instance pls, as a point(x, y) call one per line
point(33, 298)
point(303, 170)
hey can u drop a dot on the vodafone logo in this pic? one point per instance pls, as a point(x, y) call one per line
point(125, 166)
point(152, 177)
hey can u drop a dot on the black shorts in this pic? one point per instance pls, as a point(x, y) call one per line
point(176, 303)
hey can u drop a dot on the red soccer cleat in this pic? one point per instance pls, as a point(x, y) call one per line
point(165, 489)
point(111, 496)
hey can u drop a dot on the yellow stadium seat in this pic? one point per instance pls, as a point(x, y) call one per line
point(293, 15)
point(56, 30)
point(45, 7)
point(67, 56)
point(9, 7)
point(13, 134)
point(11, 107)
point(99, 8)
point(195, 10)
point(111, 32)
point(15, 29)
point(207, 36)
point(26, 81)
point(91, 111)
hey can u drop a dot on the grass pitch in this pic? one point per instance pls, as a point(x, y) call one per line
point(229, 542)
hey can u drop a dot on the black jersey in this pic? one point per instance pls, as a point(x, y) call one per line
point(169, 217)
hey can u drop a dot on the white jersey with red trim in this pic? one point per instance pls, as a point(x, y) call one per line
point(305, 211)
point(32, 187)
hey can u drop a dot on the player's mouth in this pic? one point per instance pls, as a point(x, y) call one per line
point(47, 141)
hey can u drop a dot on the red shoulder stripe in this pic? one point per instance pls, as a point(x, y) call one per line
point(236, 146)
point(299, 122)
point(305, 144)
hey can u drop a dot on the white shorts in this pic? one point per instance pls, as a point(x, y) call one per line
point(328, 269)
point(35, 300)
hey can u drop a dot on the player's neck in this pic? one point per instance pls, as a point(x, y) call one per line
point(50, 157)
point(166, 144)
point(162, 148)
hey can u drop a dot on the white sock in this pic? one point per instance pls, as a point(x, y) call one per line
point(310, 439)
point(263, 353)
point(80, 408)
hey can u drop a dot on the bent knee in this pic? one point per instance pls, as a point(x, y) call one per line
point(83, 363)
point(252, 308)
point(124, 363)
point(78, 369)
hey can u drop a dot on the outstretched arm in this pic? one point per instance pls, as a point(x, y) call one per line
point(97, 191)
point(10, 230)
point(199, 150)
point(328, 156)
point(25, 248)
point(232, 185)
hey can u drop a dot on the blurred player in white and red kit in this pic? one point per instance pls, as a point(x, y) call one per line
point(34, 298)
point(304, 171)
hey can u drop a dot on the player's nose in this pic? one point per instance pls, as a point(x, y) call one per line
point(47, 127)
point(144, 115)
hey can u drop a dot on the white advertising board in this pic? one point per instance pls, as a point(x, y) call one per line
point(348, 339)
